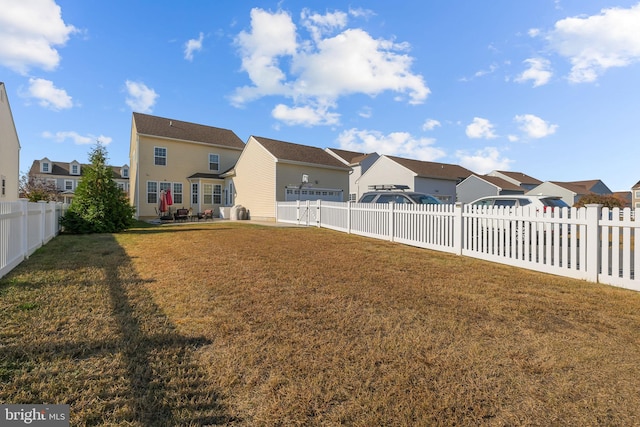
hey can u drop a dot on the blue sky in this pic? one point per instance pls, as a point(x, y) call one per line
point(550, 88)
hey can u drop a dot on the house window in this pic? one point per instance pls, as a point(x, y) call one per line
point(120, 186)
point(152, 192)
point(214, 162)
point(164, 186)
point(75, 170)
point(207, 194)
point(352, 197)
point(217, 194)
point(194, 194)
point(68, 185)
point(45, 167)
point(637, 194)
point(160, 156)
point(177, 193)
point(125, 173)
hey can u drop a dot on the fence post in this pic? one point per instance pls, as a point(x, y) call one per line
point(592, 241)
point(298, 211)
point(349, 217)
point(43, 221)
point(391, 221)
point(318, 212)
point(24, 209)
point(458, 229)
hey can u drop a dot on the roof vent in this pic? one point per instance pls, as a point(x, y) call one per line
point(170, 123)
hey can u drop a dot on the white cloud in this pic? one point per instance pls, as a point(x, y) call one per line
point(480, 128)
point(400, 144)
point(30, 31)
point(76, 138)
point(140, 98)
point(48, 95)
point(534, 127)
point(598, 42)
point(538, 72)
point(193, 45)
point(483, 161)
point(430, 124)
point(306, 116)
point(320, 70)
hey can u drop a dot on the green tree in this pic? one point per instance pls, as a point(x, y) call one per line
point(98, 206)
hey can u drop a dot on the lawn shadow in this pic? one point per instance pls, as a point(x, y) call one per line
point(164, 383)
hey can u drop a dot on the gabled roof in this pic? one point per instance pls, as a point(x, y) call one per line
point(579, 187)
point(574, 187)
point(637, 185)
point(521, 177)
point(185, 131)
point(433, 169)
point(63, 169)
point(297, 153)
point(350, 157)
point(503, 184)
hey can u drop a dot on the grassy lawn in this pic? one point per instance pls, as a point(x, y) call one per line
point(238, 324)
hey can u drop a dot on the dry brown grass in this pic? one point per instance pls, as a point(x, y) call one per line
point(236, 324)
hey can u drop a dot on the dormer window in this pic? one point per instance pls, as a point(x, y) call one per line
point(75, 169)
point(45, 167)
point(125, 172)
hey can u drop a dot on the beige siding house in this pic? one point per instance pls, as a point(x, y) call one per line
point(635, 196)
point(476, 186)
point(186, 158)
point(66, 176)
point(9, 151)
point(270, 170)
point(437, 179)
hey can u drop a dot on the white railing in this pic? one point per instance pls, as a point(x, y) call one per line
point(591, 243)
point(24, 227)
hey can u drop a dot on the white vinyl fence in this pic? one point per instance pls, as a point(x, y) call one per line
point(24, 227)
point(590, 243)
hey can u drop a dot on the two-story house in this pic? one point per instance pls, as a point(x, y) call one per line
point(635, 196)
point(9, 151)
point(187, 158)
point(65, 176)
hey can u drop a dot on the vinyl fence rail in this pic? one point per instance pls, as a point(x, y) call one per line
point(25, 227)
point(591, 243)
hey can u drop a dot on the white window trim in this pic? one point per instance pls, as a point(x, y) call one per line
point(217, 155)
point(166, 156)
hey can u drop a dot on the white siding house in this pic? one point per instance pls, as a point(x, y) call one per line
point(359, 164)
point(437, 179)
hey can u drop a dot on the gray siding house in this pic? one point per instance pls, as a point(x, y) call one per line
point(437, 179)
point(476, 186)
point(572, 191)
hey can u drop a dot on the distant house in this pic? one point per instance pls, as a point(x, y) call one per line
point(476, 186)
point(572, 191)
point(635, 196)
point(359, 164)
point(518, 178)
point(269, 170)
point(187, 158)
point(66, 176)
point(437, 179)
point(9, 151)
point(625, 196)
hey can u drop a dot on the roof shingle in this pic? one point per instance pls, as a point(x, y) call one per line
point(299, 153)
point(185, 131)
